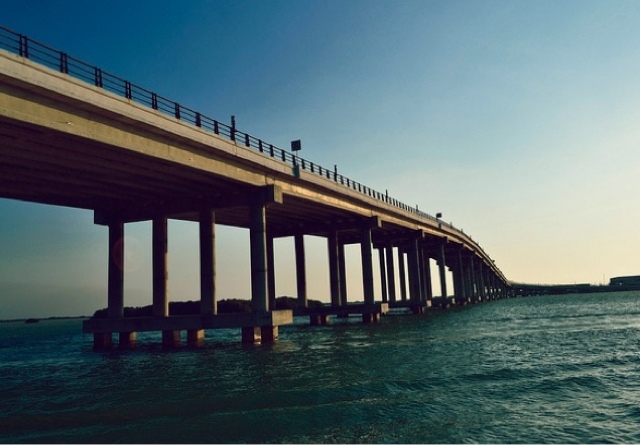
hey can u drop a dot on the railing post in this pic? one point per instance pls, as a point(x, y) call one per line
point(154, 101)
point(127, 89)
point(24, 46)
point(176, 107)
point(233, 128)
point(198, 120)
point(98, 77)
point(64, 63)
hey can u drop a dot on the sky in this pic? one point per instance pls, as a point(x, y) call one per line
point(518, 120)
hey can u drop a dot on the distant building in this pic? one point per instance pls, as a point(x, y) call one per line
point(631, 283)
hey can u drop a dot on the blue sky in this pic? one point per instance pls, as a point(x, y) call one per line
point(518, 120)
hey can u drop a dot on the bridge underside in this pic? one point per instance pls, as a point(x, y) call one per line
point(65, 170)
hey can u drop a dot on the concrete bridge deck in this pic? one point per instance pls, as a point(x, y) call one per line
point(90, 141)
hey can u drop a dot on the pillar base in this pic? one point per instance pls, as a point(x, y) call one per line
point(269, 334)
point(170, 339)
point(102, 341)
point(259, 334)
point(318, 319)
point(371, 318)
point(195, 337)
point(126, 339)
point(251, 335)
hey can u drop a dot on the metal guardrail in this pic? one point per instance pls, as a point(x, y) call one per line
point(45, 55)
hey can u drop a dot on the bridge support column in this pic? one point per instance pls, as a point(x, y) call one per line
point(427, 289)
point(115, 288)
point(442, 267)
point(334, 268)
point(301, 271)
point(403, 274)
point(459, 287)
point(259, 274)
point(126, 339)
point(159, 264)
point(367, 274)
point(383, 274)
point(195, 337)
point(170, 339)
point(318, 319)
point(482, 292)
point(271, 273)
point(391, 273)
point(413, 261)
point(472, 278)
point(261, 264)
point(160, 278)
point(487, 272)
point(343, 274)
point(208, 302)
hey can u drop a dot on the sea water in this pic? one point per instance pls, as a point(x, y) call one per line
point(539, 369)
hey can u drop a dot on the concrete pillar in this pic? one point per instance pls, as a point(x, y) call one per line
point(367, 265)
point(466, 275)
point(102, 340)
point(268, 334)
point(494, 284)
point(259, 334)
point(383, 274)
point(458, 276)
point(427, 290)
point(334, 268)
point(413, 261)
point(258, 241)
point(251, 335)
point(170, 338)
point(402, 272)
point(342, 264)
point(472, 277)
point(391, 273)
point(482, 293)
point(318, 319)
point(126, 339)
point(115, 290)
point(271, 273)
point(442, 266)
point(369, 318)
point(195, 337)
point(160, 261)
point(301, 272)
point(208, 301)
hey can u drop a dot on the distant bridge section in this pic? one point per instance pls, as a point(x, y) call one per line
point(72, 134)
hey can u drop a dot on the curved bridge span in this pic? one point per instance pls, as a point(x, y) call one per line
point(73, 135)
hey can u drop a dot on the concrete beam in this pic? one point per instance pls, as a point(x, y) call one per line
point(187, 322)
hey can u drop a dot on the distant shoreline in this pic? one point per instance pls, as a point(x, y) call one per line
point(24, 320)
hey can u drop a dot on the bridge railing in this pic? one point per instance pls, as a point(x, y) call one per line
point(45, 55)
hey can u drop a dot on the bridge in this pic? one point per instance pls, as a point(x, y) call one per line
point(74, 135)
